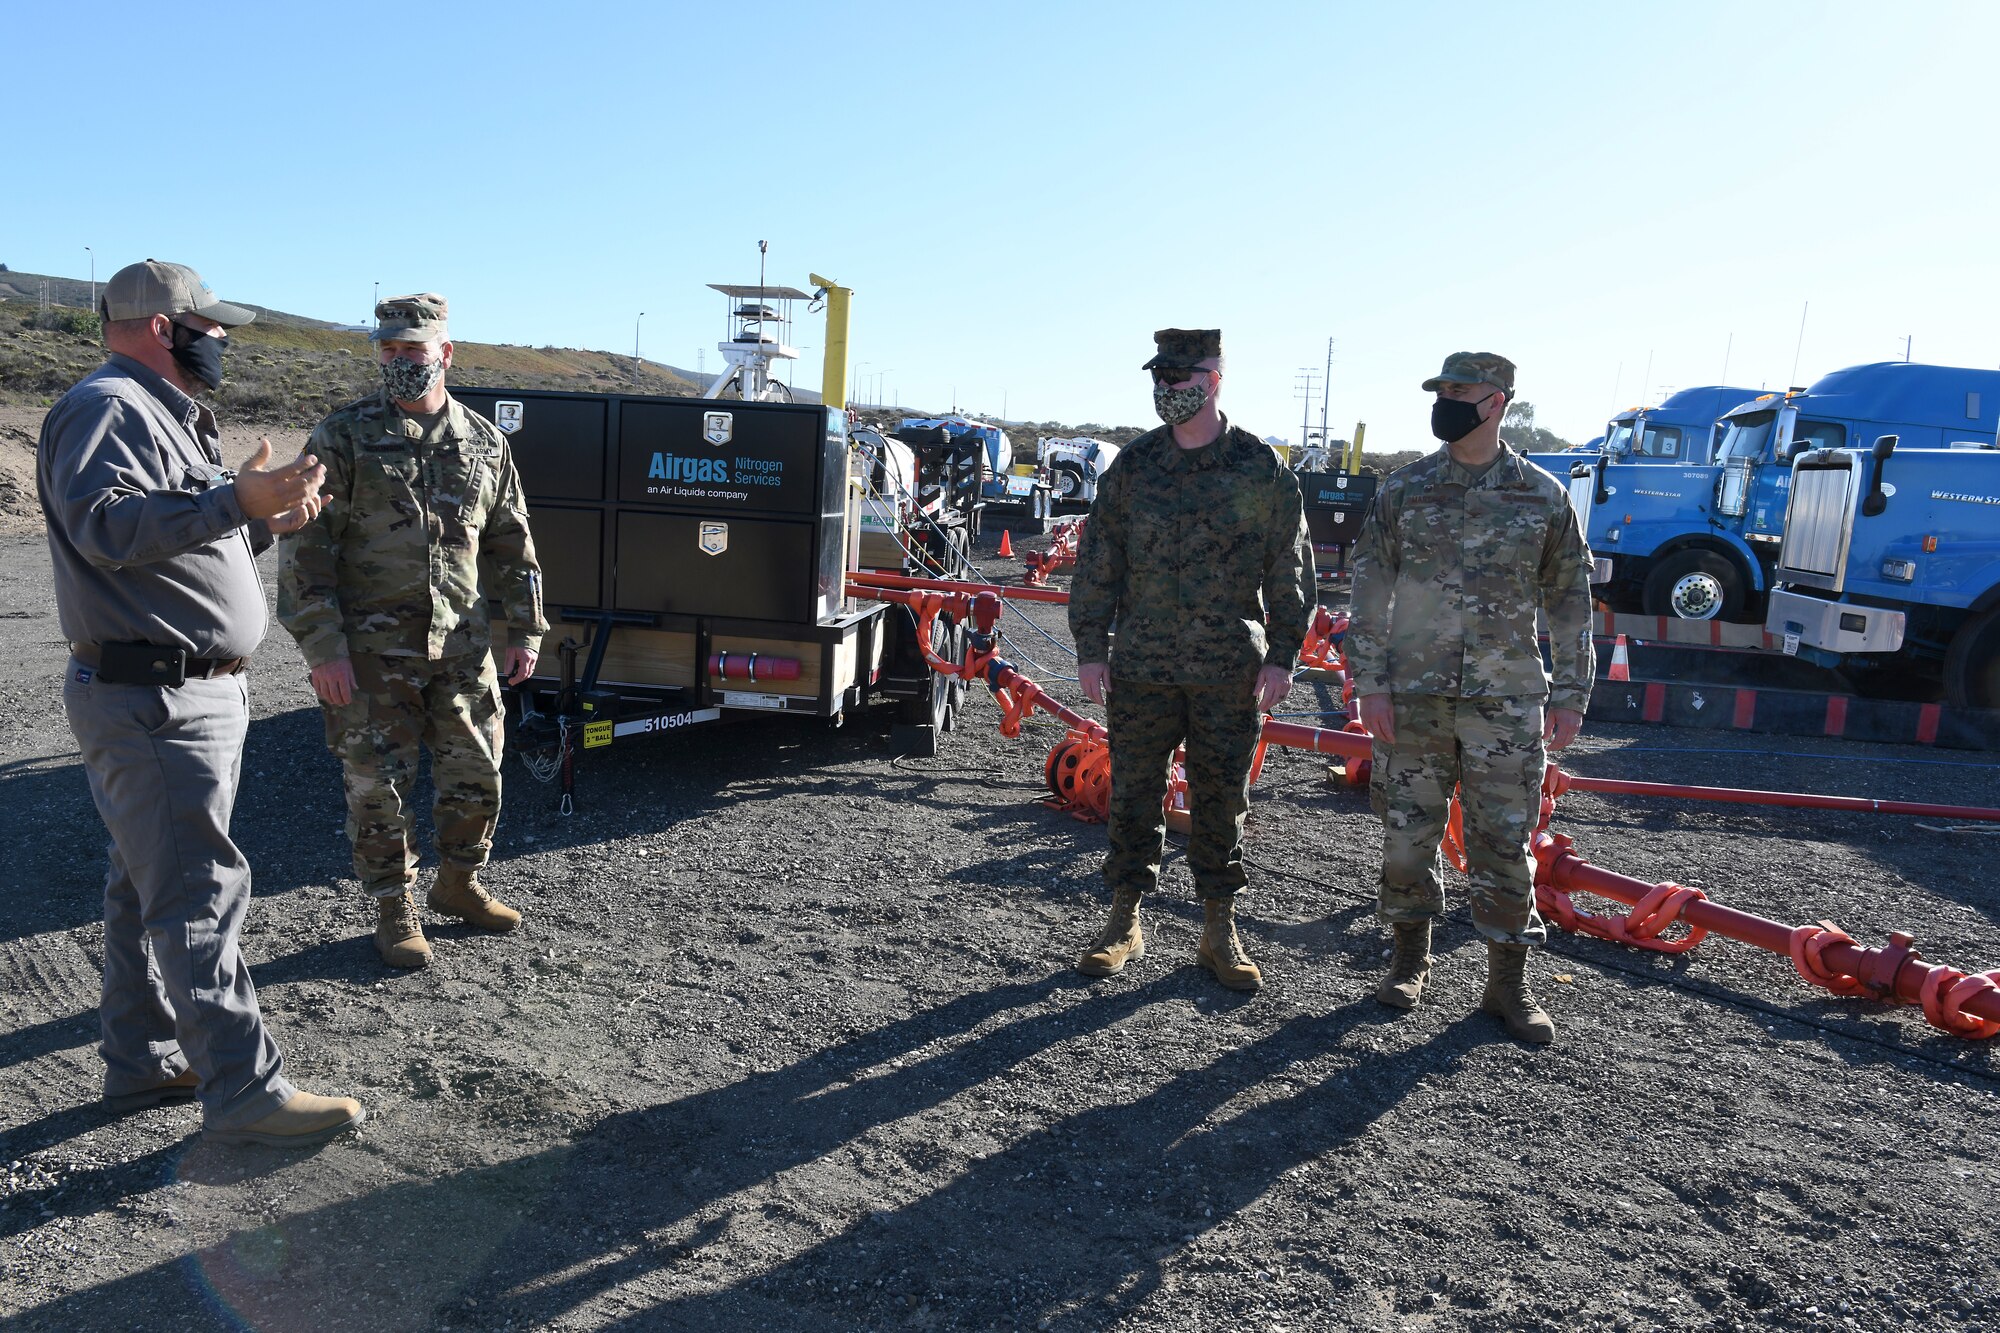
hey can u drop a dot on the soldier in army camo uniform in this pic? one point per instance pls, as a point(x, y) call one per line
point(1196, 553)
point(383, 594)
point(1457, 553)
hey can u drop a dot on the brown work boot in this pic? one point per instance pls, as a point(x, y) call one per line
point(1508, 997)
point(1120, 942)
point(458, 892)
point(1220, 951)
point(1410, 968)
point(304, 1119)
point(399, 935)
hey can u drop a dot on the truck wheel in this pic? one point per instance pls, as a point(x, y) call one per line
point(1068, 484)
point(1972, 663)
point(1695, 585)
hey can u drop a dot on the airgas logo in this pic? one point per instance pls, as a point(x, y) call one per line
point(669, 467)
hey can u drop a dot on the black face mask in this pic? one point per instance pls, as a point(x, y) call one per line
point(199, 355)
point(1452, 419)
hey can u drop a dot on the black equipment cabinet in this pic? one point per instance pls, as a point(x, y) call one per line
point(680, 507)
point(1336, 503)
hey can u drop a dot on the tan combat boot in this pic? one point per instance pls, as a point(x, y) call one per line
point(305, 1119)
point(1120, 942)
point(1221, 952)
point(1508, 996)
point(399, 936)
point(458, 892)
point(1410, 968)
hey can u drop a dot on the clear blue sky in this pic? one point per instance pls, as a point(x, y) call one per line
point(1019, 194)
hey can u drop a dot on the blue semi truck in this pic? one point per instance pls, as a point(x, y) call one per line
point(1890, 559)
point(1698, 541)
point(1681, 430)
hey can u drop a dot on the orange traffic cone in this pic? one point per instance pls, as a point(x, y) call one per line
point(1621, 661)
point(1006, 543)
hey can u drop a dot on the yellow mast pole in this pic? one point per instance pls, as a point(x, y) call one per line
point(833, 377)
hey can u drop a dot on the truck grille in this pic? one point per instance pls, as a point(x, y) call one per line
point(1816, 525)
point(1582, 490)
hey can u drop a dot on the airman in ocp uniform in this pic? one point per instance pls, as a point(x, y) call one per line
point(383, 593)
point(1458, 552)
point(1196, 554)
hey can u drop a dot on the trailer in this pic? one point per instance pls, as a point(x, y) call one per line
point(1074, 464)
point(1005, 482)
point(694, 556)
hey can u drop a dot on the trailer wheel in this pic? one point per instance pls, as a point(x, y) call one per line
point(1068, 482)
point(1695, 585)
point(1972, 663)
point(936, 706)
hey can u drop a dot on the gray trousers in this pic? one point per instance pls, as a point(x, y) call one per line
point(163, 766)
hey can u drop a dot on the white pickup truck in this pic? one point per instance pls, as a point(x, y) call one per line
point(1074, 463)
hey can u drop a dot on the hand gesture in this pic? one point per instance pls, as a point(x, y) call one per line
point(267, 492)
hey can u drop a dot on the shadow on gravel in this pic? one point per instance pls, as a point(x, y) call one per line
point(1024, 1232)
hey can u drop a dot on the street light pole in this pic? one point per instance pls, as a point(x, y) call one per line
point(854, 389)
point(378, 299)
point(635, 345)
point(93, 280)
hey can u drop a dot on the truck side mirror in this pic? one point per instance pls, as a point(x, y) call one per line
point(1876, 501)
point(1601, 495)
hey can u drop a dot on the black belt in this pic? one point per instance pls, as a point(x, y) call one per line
point(196, 668)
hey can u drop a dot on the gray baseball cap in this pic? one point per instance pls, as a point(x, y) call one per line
point(155, 288)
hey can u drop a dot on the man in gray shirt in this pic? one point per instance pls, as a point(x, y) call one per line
point(154, 545)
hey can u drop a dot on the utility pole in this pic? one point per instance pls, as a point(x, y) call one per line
point(93, 281)
point(1307, 385)
point(1326, 391)
point(635, 347)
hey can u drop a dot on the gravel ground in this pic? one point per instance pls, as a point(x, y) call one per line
point(791, 1038)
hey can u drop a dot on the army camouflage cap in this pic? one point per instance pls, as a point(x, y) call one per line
point(1185, 348)
point(417, 319)
point(1475, 368)
point(139, 291)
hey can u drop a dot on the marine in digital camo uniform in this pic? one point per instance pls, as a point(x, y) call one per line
point(1196, 554)
point(154, 544)
point(383, 594)
point(1459, 550)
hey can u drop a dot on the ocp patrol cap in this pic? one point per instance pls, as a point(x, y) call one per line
point(418, 319)
point(1475, 368)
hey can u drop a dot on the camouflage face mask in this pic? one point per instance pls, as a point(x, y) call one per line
point(408, 381)
point(1179, 402)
